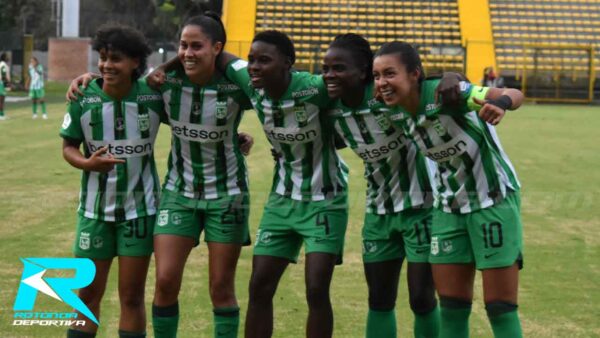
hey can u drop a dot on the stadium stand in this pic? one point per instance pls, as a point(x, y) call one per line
point(549, 48)
point(555, 43)
point(433, 26)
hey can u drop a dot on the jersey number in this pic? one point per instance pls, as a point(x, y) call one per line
point(137, 229)
point(492, 235)
point(423, 231)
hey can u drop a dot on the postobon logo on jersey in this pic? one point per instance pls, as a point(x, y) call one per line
point(382, 149)
point(199, 132)
point(123, 148)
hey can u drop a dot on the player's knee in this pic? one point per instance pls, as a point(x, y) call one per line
point(167, 286)
point(422, 299)
point(317, 295)
point(91, 296)
point(221, 293)
point(132, 298)
point(495, 309)
point(261, 289)
point(380, 300)
point(423, 303)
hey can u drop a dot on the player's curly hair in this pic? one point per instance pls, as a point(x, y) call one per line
point(4, 57)
point(360, 49)
point(210, 23)
point(125, 39)
point(406, 54)
point(281, 41)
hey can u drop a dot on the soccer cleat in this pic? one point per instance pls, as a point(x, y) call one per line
point(2, 118)
point(34, 116)
point(45, 117)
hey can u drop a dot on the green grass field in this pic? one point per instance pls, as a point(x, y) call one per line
point(554, 149)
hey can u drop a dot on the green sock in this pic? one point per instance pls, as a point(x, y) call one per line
point(127, 334)
point(34, 108)
point(2, 112)
point(454, 318)
point(43, 108)
point(381, 324)
point(71, 333)
point(504, 318)
point(165, 320)
point(427, 325)
point(227, 321)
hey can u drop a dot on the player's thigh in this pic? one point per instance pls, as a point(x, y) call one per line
point(454, 280)
point(496, 234)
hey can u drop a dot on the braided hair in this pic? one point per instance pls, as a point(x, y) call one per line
point(360, 49)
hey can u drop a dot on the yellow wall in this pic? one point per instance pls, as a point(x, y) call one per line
point(239, 17)
point(476, 36)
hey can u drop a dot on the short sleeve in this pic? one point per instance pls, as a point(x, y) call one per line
point(469, 92)
point(71, 126)
point(237, 72)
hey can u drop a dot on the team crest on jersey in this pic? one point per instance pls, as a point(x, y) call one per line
point(221, 111)
point(301, 115)
point(196, 108)
point(84, 241)
point(435, 248)
point(120, 124)
point(163, 218)
point(143, 122)
point(439, 129)
point(383, 121)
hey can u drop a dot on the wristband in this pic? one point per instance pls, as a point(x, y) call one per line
point(504, 102)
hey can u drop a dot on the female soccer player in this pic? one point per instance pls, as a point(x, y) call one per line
point(308, 201)
point(206, 188)
point(116, 119)
point(35, 83)
point(4, 78)
point(477, 224)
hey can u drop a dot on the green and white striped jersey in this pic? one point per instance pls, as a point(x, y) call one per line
point(398, 175)
point(310, 168)
point(128, 127)
point(473, 171)
point(205, 161)
point(36, 77)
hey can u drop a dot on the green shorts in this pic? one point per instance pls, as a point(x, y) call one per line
point(398, 235)
point(104, 240)
point(287, 223)
point(2, 90)
point(491, 237)
point(224, 220)
point(36, 93)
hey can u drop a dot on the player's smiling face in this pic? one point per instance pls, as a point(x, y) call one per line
point(267, 66)
point(392, 81)
point(341, 73)
point(197, 52)
point(116, 67)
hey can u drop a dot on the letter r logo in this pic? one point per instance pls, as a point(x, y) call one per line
point(32, 281)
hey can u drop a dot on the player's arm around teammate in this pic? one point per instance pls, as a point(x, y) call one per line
point(308, 203)
point(477, 224)
point(119, 179)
